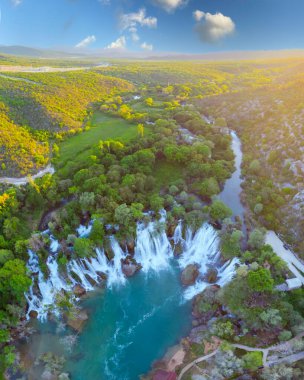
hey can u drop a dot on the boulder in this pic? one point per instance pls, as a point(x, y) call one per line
point(79, 291)
point(33, 314)
point(211, 275)
point(77, 320)
point(170, 230)
point(189, 274)
point(131, 246)
point(178, 249)
point(129, 269)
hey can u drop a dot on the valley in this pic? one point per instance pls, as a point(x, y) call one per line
point(161, 182)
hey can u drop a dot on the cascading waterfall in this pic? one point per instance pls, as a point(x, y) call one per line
point(154, 251)
point(202, 249)
point(48, 289)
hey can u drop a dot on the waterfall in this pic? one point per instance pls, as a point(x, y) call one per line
point(48, 289)
point(153, 252)
point(152, 249)
point(202, 249)
point(84, 231)
point(178, 234)
point(54, 246)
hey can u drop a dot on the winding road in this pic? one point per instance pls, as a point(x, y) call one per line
point(24, 180)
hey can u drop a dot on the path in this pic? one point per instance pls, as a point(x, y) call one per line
point(265, 351)
point(24, 180)
point(18, 79)
point(293, 263)
point(287, 359)
point(196, 361)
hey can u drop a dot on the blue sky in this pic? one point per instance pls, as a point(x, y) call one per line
point(158, 25)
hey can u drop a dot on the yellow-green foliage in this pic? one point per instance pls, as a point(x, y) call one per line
point(64, 96)
point(19, 149)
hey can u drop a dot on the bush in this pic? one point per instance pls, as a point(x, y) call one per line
point(253, 360)
point(83, 247)
point(285, 335)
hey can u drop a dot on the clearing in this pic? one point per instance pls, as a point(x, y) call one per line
point(103, 127)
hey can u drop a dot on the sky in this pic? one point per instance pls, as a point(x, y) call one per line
point(180, 26)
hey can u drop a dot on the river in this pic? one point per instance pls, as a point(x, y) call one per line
point(231, 192)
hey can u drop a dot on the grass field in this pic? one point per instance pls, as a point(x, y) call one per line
point(142, 107)
point(103, 127)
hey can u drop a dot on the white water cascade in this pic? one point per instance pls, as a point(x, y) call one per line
point(202, 249)
point(154, 251)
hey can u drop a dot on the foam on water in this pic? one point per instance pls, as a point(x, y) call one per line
point(154, 251)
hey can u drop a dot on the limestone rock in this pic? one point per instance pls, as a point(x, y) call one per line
point(79, 291)
point(189, 275)
point(78, 320)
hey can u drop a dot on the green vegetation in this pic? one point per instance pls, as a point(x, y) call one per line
point(101, 127)
point(118, 156)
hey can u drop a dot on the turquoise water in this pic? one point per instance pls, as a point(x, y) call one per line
point(130, 326)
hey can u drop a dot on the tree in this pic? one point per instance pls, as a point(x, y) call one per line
point(219, 211)
point(255, 167)
point(123, 215)
point(140, 130)
point(278, 372)
point(256, 239)
point(97, 232)
point(149, 102)
point(227, 364)
point(260, 280)
point(223, 329)
point(258, 208)
point(83, 247)
point(14, 281)
point(87, 201)
point(137, 210)
point(5, 255)
point(11, 227)
point(156, 202)
point(271, 317)
point(231, 244)
point(285, 335)
point(209, 187)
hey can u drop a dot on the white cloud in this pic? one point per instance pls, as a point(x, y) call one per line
point(146, 46)
point(213, 27)
point(129, 20)
point(86, 42)
point(198, 15)
point(16, 2)
point(170, 5)
point(134, 34)
point(119, 44)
